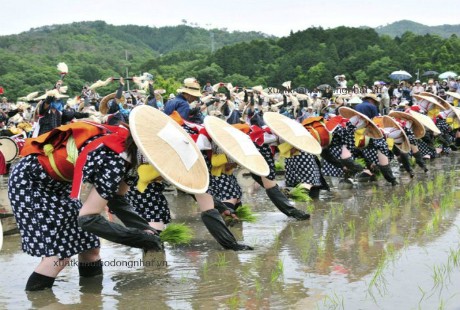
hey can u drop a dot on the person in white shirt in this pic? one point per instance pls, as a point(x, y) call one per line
point(431, 87)
point(417, 89)
point(341, 82)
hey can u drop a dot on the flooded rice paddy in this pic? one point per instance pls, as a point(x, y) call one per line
point(372, 247)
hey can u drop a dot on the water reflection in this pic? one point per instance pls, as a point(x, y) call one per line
point(349, 235)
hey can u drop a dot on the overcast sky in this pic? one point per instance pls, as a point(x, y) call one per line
point(271, 17)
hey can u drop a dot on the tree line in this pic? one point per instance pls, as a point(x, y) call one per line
point(96, 50)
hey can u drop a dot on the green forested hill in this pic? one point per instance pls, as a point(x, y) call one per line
point(398, 28)
point(95, 50)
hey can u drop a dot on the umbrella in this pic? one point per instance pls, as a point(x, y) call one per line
point(323, 86)
point(400, 75)
point(447, 74)
point(430, 73)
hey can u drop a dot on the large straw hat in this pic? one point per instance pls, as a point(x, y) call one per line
point(417, 127)
point(441, 101)
point(9, 149)
point(453, 94)
point(292, 132)
point(169, 148)
point(426, 121)
point(393, 130)
point(104, 104)
point(371, 129)
point(372, 96)
point(191, 87)
point(428, 102)
point(237, 145)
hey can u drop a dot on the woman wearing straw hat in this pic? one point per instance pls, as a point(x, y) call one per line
point(414, 131)
point(223, 187)
point(338, 154)
point(264, 140)
point(56, 226)
point(375, 149)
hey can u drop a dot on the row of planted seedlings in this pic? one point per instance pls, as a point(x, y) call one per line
point(393, 221)
point(427, 206)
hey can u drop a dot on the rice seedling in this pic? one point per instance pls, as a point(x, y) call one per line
point(277, 271)
point(305, 254)
point(234, 301)
point(333, 302)
point(378, 280)
point(310, 208)
point(352, 227)
point(408, 195)
point(395, 200)
point(342, 232)
point(176, 234)
point(245, 214)
point(416, 192)
point(221, 260)
point(454, 258)
point(299, 194)
point(258, 287)
point(430, 187)
point(423, 296)
point(439, 181)
point(276, 241)
point(205, 267)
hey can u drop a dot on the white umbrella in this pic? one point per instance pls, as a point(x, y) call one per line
point(447, 74)
point(400, 75)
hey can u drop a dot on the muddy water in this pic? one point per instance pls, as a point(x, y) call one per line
point(373, 247)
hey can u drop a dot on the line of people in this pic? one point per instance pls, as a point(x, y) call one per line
point(55, 224)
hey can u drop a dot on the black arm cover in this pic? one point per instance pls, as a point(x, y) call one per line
point(98, 225)
point(123, 210)
point(119, 91)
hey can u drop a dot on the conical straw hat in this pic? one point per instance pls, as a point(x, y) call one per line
point(104, 105)
point(425, 102)
point(236, 145)
point(169, 148)
point(8, 148)
point(393, 130)
point(371, 129)
point(453, 94)
point(441, 101)
point(292, 132)
point(417, 127)
point(426, 121)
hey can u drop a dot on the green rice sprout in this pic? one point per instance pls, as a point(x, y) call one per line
point(245, 214)
point(299, 194)
point(176, 234)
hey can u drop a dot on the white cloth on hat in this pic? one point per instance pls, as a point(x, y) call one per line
point(358, 121)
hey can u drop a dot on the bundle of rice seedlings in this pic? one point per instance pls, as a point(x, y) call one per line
point(176, 234)
point(300, 194)
point(245, 214)
point(279, 166)
point(361, 161)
